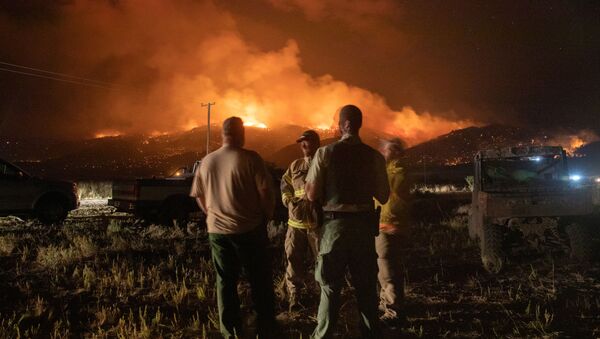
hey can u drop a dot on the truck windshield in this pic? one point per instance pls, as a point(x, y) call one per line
point(504, 173)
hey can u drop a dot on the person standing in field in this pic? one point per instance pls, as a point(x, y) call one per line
point(301, 234)
point(393, 229)
point(345, 177)
point(233, 187)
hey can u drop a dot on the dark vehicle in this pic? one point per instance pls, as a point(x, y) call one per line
point(24, 195)
point(167, 201)
point(529, 192)
point(163, 200)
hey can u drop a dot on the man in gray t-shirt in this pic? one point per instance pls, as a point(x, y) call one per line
point(235, 191)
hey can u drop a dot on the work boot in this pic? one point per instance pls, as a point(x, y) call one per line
point(392, 319)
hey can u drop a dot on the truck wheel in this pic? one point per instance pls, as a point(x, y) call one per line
point(50, 211)
point(492, 254)
point(580, 239)
point(175, 213)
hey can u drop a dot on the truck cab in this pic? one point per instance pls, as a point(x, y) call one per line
point(164, 200)
point(24, 195)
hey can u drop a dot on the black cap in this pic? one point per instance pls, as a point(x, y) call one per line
point(309, 135)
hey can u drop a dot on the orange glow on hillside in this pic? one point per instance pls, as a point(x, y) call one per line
point(571, 142)
point(107, 134)
point(254, 123)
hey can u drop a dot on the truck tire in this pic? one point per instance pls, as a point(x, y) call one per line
point(492, 253)
point(51, 210)
point(175, 212)
point(580, 240)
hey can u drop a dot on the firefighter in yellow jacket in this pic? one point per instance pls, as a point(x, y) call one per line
point(393, 232)
point(301, 235)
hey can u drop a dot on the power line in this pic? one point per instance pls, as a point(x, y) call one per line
point(58, 74)
point(56, 78)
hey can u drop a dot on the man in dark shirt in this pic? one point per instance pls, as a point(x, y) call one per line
point(345, 177)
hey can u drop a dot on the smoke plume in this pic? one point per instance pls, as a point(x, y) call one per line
point(163, 60)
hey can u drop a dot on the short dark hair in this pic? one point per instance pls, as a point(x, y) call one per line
point(352, 114)
point(233, 126)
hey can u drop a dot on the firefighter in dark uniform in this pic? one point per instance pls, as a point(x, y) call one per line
point(344, 178)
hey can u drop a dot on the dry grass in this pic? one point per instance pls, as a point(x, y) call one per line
point(112, 278)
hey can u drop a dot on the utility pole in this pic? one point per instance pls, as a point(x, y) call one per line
point(208, 105)
point(424, 172)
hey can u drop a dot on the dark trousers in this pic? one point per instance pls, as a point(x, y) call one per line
point(347, 244)
point(230, 254)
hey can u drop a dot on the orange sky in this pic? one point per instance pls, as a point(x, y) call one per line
point(416, 71)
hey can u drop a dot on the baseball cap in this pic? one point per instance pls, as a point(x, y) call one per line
point(309, 135)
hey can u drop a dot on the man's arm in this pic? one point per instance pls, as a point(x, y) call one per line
point(287, 189)
point(315, 179)
point(202, 203)
point(197, 191)
point(382, 189)
point(264, 185)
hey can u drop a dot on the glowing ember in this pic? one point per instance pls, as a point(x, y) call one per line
point(571, 142)
point(323, 127)
point(107, 134)
point(158, 133)
point(254, 123)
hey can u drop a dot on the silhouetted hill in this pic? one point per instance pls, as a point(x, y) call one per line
point(460, 146)
point(142, 155)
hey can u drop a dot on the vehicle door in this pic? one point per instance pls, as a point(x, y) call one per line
point(15, 188)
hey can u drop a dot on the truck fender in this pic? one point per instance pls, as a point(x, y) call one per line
point(52, 195)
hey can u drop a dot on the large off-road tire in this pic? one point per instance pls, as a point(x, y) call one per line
point(581, 241)
point(492, 252)
point(51, 210)
point(472, 227)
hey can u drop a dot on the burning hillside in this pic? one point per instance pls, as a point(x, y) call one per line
point(134, 155)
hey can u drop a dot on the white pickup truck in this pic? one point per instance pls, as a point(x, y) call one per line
point(24, 195)
point(163, 200)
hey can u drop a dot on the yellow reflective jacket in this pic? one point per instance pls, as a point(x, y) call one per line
point(301, 211)
point(394, 213)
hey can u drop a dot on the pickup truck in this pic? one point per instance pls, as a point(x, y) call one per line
point(24, 195)
point(162, 200)
point(167, 201)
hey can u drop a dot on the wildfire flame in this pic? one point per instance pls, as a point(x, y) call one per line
point(571, 142)
point(107, 134)
point(253, 123)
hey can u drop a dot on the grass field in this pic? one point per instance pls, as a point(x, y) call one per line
point(104, 274)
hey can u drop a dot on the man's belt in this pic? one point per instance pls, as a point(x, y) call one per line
point(331, 215)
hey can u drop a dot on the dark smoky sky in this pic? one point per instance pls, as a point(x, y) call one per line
point(443, 64)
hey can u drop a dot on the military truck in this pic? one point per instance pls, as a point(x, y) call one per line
point(22, 194)
point(162, 200)
point(529, 191)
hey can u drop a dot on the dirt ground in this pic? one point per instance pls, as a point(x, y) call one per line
point(103, 274)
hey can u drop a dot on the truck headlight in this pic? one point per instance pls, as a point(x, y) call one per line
point(575, 177)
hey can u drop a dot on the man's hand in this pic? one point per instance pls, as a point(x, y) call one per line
point(201, 203)
point(310, 190)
